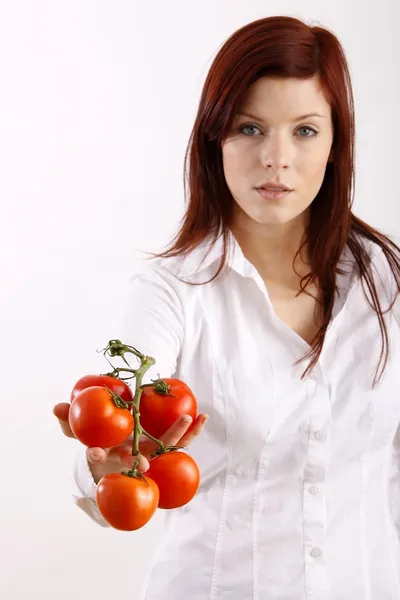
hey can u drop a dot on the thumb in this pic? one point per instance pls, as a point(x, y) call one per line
point(98, 456)
point(61, 411)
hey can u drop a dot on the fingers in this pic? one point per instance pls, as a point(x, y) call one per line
point(61, 411)
point(128, 460)
point(177, 435)
point(180, 434)
point(120, 455)
point(194, 432)
point(96, 456)
point(172, 436)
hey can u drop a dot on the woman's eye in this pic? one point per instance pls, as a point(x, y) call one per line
point(243, 127)
point(308, 129)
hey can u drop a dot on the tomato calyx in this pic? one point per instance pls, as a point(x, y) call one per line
point(166, 450)
point(134, 474)
point(160, 387)
point(118, 401)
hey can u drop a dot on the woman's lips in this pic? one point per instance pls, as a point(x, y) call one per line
point(273, 194)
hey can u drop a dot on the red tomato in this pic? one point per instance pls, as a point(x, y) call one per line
point(159, 410)
point(113, 383)
point(96, 421)
point(177, 476)
point(126, 503)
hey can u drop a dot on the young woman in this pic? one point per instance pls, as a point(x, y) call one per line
point(280, 309)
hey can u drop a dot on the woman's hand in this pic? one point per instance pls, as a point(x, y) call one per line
point(121, 455)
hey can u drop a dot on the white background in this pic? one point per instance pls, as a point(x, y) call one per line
point(97, 101)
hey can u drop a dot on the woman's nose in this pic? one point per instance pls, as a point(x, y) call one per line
point(275, 154)
point(275, 164)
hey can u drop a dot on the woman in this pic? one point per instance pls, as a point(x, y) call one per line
point(279, 307)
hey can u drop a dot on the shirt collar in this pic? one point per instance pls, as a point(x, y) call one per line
point(209, 254)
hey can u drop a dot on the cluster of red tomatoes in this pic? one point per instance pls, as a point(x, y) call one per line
point(102, 415)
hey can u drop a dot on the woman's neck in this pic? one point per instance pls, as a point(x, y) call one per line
point(272, 249)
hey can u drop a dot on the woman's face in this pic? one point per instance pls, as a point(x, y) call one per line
point(272, 140)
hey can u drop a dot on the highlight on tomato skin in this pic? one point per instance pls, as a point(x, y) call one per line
point(96, 421)
point(127, 503)
point(116, 385)
point(177, 477)
point(159, 411)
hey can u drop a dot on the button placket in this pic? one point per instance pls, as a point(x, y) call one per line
point(314, 513)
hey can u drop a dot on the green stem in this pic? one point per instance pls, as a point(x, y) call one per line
point(146, 363)
point(161, 444)
point(117, 348)
point(117, 370)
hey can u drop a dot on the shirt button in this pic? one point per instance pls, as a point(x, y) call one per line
point(314, 490)
point(315, 552)
point(320, 435)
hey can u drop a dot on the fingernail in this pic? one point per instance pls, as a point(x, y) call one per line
point(96, 457)
point(204, 419)
point(186, 419)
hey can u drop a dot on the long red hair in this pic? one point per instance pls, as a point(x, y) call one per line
point(283, 47)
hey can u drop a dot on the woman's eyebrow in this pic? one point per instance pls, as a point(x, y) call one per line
point(301, 118)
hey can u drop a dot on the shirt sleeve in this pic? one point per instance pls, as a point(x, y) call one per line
point(84, 489)
point(151, 320)
point(395, 473)
point(394, 483)
point(396, 310)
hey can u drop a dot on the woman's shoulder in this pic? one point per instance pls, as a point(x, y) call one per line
point(380, 258)
point(383, 266)
point(374, 251)
point(180, 269)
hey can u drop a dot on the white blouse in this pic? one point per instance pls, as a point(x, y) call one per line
point(300, 479)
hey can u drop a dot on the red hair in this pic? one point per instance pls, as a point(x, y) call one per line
point(283, 47)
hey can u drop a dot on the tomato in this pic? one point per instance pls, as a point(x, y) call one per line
point(96, 421)
point(177, 476)
point(159, 410)
point(126, 503)
point(113, 383)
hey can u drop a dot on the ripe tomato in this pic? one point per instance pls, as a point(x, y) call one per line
point(113, 383)
point(126, 503)
point(160, 408)
point(96, 421)
point(177, 476)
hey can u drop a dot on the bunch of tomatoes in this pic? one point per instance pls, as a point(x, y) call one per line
point(105, 412)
